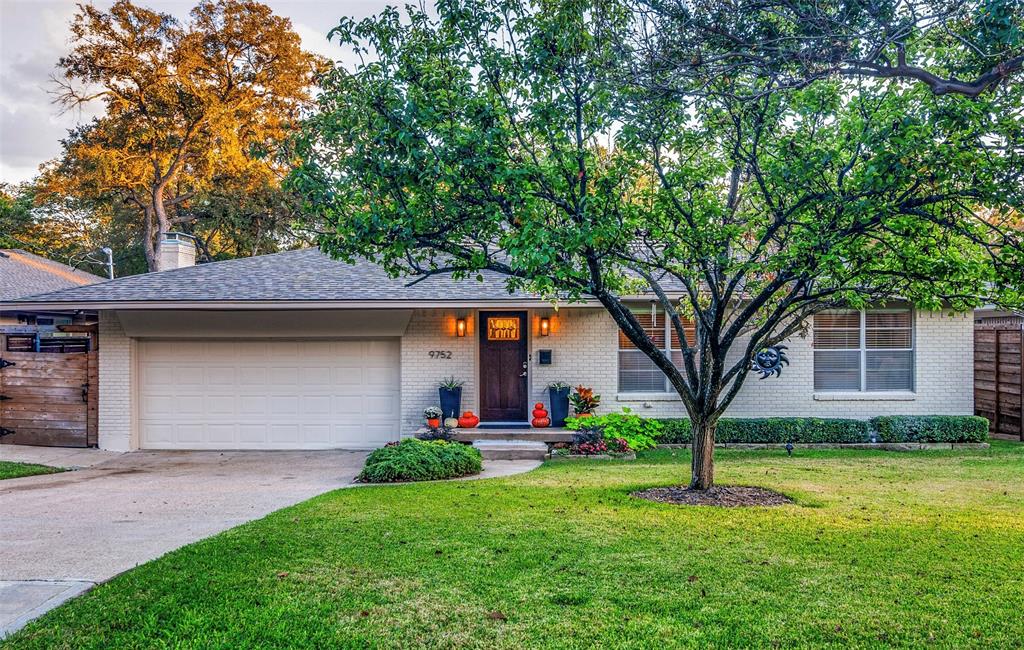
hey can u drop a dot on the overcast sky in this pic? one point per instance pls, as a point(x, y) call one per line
point(34, 34)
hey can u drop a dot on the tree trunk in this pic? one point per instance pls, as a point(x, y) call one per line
point(162, 223)
point(148, 245)
point(703, 465)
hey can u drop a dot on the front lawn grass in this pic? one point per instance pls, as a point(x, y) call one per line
point(880, 549)
point(10, 469)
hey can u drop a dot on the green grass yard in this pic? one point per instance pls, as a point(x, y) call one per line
point(880, 549)
point(9, 469)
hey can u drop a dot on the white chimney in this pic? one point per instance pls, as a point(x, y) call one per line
point(176, 251)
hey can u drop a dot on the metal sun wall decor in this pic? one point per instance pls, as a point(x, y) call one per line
point(769, 361)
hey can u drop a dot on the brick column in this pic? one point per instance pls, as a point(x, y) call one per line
point(116, 389)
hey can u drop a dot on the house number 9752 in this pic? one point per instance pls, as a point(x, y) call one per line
point(440, 354)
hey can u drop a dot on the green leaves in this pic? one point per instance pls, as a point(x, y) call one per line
point(541, 140)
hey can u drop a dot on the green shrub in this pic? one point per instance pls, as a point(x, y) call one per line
point(772, 430)
point(639, 433)
point(931, 428)
point(420, 460)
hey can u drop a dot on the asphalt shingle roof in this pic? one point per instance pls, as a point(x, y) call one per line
point(24, 274)
point(299, 275)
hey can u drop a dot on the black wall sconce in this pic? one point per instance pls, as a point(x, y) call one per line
point(545, 326)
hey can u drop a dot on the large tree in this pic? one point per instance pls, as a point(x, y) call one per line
point(515, 137)
point(189, 109)
point(963, 47)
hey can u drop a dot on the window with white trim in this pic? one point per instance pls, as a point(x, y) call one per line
point(870, 350)
point(637, 373)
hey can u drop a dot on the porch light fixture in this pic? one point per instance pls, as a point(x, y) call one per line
point(460, 327)
point(545, 326)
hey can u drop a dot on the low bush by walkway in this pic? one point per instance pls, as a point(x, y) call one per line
point(10, 469)
point(877, 550)
point(421, 460)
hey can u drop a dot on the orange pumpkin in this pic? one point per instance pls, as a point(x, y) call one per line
point(540, 423)
point(468, 420)
point(539, 411)
point(434, 423)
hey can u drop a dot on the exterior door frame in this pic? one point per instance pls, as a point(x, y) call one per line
point(522, 414)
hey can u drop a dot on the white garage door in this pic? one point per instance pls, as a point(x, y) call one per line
point(268, 394)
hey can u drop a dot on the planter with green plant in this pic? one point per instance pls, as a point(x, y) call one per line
point(584, 402)
point(558, 392)
point(450, 392)
point(433, 416)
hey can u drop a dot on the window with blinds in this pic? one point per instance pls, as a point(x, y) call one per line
point(637, 373)
point(870, 350)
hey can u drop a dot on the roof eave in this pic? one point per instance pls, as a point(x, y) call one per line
point(230, 305)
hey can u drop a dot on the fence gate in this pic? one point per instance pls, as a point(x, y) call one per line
point(998, 374)
point(48, 399)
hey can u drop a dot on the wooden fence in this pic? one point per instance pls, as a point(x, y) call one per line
point(49, 399)
point(999, 376)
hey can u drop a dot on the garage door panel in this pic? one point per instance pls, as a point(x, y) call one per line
point(317, 434)
point(218, 375)
point(252, 434)
point(316, 405)
point(221, 405)
point(253, 406)
point(221, 433)
point(313, 378)
point(253, 376)
point(268, 394)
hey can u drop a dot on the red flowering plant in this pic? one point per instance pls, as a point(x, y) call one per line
point(591, 448)
point(618, 445)
point(590, 442)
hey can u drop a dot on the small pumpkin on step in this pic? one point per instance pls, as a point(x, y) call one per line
point(540, 416)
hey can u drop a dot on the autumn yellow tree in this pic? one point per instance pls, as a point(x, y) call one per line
point(189, 106)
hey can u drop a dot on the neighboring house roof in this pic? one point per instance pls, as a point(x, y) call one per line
point(298, 276)
point(24, 274)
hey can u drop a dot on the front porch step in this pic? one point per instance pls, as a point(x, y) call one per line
point(532, 435)
point(511, 449)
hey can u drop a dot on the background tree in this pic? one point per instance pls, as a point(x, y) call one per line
point(501, 135)
point(189, 109)
point(64, 229)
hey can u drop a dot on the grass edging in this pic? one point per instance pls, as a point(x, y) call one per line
point(880, 446)
point(12, 469)
point(591, 457)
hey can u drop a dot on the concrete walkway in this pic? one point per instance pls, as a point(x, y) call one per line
point(63, 533)
point(67, 457)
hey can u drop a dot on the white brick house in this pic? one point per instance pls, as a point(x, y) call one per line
point(297, 351)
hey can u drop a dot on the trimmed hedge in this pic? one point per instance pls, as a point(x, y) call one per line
point(931, 428)
point(892, 428)
point(420, 460)
point(772, 430)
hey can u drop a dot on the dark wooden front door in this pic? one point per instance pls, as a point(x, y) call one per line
point(503, 366)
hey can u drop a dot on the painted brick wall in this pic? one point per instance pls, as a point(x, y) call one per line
point(580, 352)
point(116, 362)
point(434, 330)
point(944, 362)
point(584, 346)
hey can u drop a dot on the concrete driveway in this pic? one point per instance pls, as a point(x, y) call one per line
point(60, 534)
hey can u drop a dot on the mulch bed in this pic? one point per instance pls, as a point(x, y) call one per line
point(725, 496)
